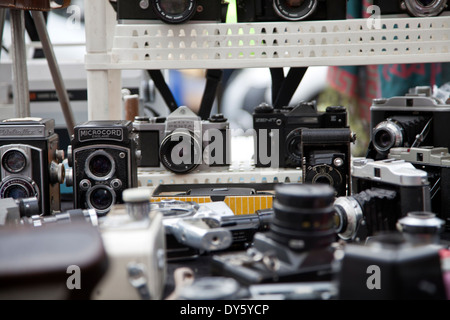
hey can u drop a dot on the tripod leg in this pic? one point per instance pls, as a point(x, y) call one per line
point(41, 28)
point(19, 59)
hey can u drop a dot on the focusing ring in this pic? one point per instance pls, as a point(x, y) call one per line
point(417, 9)
point(174, 18)
point(171, 141)
point(307, 8)
point(28, 185)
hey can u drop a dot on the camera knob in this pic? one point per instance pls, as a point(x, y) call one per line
point(217, 118)
point(69, 156)
point(57, 172)
point(264, 108)
point(59, 155)
point(69, 177)
point(335, 109)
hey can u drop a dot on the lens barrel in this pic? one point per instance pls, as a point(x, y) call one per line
point(303, 216)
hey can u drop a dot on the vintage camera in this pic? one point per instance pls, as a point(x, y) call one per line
point(383, 192)
point(290, 10)
point(172, 11)
point(185, 142)
point(414, 120)
point(103, 156)
point(297, 246)
point(436, 162)
point(391, 268)
point(134, 240)
point(415, 8)
point(193, 229)
point(278, 132)
point(31, 164)
point(326, 157)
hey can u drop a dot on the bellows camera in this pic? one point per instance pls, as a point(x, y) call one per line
point(436, 162)
point(415, 8)
point(172, 11)
point(383, 192)
point(103, 156)
point(31, 164)
point(290, 10)
point(414, 120)
point(185, 142)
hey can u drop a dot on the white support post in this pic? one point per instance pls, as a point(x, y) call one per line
point(104, 87)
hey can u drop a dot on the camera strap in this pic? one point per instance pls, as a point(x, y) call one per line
point(213, 79)
point(163, 88)
point(284, 87)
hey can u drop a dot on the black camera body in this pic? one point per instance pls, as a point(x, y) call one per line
point(326, 157)
point(172, 11)
point(436, 162)
point(296, 247)
point(415, 8)
point(103, 155)
point(414, 120)
point(288, 10)
point(31, 164)
point(390, 268)
point(382, 192)
point(185, 142)
point(279, 131)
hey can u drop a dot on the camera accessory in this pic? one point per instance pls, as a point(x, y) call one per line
point(383, 192)
point(390, 268)
point(241, 198)
point(135, 242)
point(290, 10)
point(31, 164)
point(186, 142)
point(415, 8)
point(103, 156)
point(436, 162)
point(172, 11)
point(298, 244)
point(421, 228)
point(414, 120)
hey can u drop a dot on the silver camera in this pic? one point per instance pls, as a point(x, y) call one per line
point(383, 192)
point(185, 142)
point(134, 240)
point(414, 120)
point(436, 162)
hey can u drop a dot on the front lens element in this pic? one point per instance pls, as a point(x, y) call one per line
point(14, 161)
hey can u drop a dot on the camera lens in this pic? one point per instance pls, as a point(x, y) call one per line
point(100, 165)
point(294, 147)
point(174, 11)
point(180, 152)
point(101, 198)
point(425, 8)
point(294, 10)
point(14, 161)
point(304, 216)
point(387, 135)
point(18, 188)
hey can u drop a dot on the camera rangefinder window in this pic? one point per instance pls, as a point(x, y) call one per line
point(14, 161)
